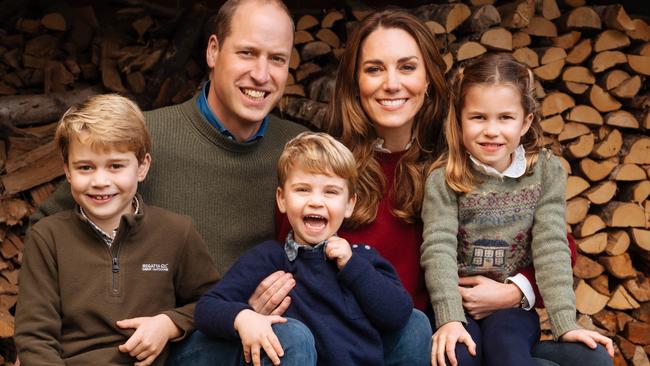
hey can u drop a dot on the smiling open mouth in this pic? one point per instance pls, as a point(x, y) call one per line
point(392, 102)
point(101, 197)
point(314, 221)
point(254, 94)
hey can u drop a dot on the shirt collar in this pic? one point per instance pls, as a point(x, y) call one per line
point(107, 238)
point(378, 145)
point(206, 111)
point(291, 247)
point(516, 169)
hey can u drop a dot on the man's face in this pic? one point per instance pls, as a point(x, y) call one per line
point(250, 66)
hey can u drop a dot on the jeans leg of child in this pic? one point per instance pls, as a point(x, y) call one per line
point(509, 336)
point(410, 345)
point(297, 343)
point(568, 354)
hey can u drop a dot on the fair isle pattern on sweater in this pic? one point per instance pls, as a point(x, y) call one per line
point(494, 253)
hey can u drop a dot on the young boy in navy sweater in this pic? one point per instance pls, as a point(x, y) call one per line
point(346, 295)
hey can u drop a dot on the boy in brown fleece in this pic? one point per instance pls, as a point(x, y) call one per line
point(112, 281)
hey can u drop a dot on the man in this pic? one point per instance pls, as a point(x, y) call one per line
point(216, 156)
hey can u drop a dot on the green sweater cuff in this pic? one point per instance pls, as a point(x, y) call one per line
point(447, 311)
point(562, 322)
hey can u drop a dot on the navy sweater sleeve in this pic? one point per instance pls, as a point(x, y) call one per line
point(216, 310)
point(377, 289)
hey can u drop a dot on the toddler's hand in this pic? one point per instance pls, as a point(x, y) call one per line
point(444, 341)
point(590, 338)
point(338, 249)
point(256, 334)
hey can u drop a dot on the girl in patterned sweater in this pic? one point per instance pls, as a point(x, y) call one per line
point(495, 203)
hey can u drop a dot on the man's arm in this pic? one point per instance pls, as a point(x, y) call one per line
point(38, 313)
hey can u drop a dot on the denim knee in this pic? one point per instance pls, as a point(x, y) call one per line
point(297, 343)
point(410, 345)
point(569, 353)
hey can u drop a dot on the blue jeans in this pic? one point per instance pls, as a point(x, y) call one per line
point(409, 346)
point(550, 353)
point(200, 350)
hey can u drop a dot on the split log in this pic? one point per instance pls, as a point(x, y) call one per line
point(588, 300)
point(606, 319)
point(586, 268)
point(556, 102)
point(517, 14)
point(641, 31)
point(621, 118)
point(526, 56)
point(581, 147)
point(581, 18)
point(572, 130)
point(602, 193)
point(593, 244)
point(641, 238)
point(580, 52)
point(467, 50)
point(482, 18)
point(596, 171)
point(576, 210)
point(628, 172)
point(574, 88)
point(330, 18)
point(302, 37)
point(541, 27)
point(639, 287)
point(623, 214)
point(313, 50)
point(553, 125)
point(612, 79)
point(306, 21)
point(638, 192)
point(636, 149)
point(610, 145)
point(550, 54)
point(549, 72)
point(610, 39)
point(618, 242)
point(520, 39)
point(620, 266)
point(499, 39)
point(575, 185)
point(640, 64)
point(590, 225)
point(548, 9)
point(449, 15)
point(615, 17)
point(600, 284)
point(585, 114)
point(622, 300)
point(328, 36)
point(602, 101)
point(628, 88)
point(566, 40)
point(606, 60)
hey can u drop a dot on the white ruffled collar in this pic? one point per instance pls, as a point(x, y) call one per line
point(516, 169)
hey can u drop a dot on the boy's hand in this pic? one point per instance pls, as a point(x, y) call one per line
point(270, 296)
point(338, 249)
point(150, 337)
point(256, 333)
point(590, 338)
point(444, 341)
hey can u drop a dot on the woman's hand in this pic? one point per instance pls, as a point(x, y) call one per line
point(444, 342)
point(483, 296)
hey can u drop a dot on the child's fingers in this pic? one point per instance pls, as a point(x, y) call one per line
point(469, 342)
point(148, 361)
point(450, 348)
point(131, 343)
point(606, 342)
point(255, 355)
point(277, 319)
point(247, 354)
point(270, 351)
point(277, 346)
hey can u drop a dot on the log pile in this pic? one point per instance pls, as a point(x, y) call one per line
point(591, 65)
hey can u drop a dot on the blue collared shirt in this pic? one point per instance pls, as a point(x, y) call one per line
point(204, 107)
point(291, 247)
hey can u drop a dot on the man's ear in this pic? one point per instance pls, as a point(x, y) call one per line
point(279, 199)
point(212, 51)
point(143, 167)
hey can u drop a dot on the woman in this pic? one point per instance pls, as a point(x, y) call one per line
point(388, 108)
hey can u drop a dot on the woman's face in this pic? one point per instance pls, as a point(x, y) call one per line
point(392, 81)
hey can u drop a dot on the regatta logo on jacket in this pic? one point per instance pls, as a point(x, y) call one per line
point(155, 267)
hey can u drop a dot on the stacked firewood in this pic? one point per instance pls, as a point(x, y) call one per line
point(591, 63)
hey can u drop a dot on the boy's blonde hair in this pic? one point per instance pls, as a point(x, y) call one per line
point(103, 121)
point(489, 69)
point(318, 153)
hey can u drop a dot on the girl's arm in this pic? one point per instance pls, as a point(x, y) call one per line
point(439, 249)
point(550, 250)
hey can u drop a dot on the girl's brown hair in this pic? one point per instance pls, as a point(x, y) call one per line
point(489, 69)
point(347, 121)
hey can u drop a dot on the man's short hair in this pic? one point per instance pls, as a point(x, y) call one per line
point(104, 121)
point(220, 23)
point(318, 153)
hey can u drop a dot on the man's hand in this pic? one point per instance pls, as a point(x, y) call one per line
point(270, 297)
point(444, 342)
point(483, 296)
point(338, 249)
point(590, 338)
point(256, 334)
point(150, 337)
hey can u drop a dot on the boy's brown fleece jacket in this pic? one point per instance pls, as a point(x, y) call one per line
point(73, 287)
